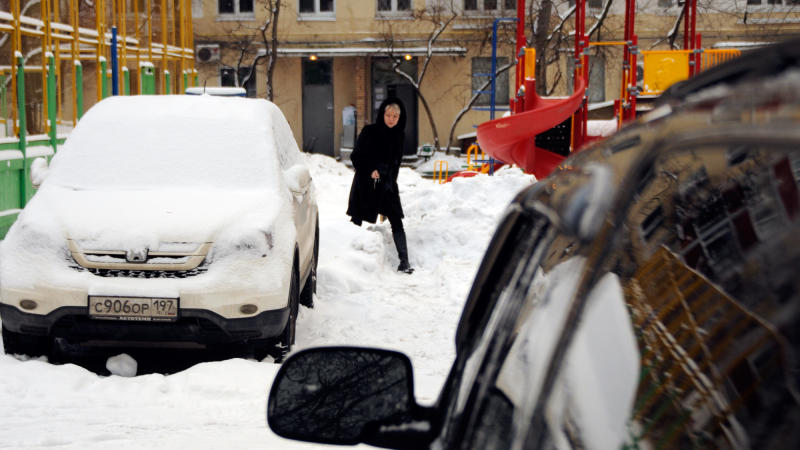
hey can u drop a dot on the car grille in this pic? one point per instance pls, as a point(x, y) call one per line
point(168, 260)
point(113, 273)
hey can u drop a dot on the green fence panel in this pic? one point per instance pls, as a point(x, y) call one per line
point(104, 77)
point(51, 99)
point(23, 133)
point(148, 74)
point(126, 81)
point(10, 191)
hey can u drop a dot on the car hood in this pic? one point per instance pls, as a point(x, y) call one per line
point(144, 218)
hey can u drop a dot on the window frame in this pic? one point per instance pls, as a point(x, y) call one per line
point(237, 14)
point(393, 12)
point(481, 11)
point(504, 96)
point(777, 6)
point(317, 14)
point(723, 138)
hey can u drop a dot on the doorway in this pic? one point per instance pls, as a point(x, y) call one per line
point(386, 83)
point(318, 106)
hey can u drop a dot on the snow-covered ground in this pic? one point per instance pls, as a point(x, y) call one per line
point(361, 300)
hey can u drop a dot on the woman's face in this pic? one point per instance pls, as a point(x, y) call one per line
point(390, 117)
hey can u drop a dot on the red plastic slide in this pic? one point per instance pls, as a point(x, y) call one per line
point(511, 139)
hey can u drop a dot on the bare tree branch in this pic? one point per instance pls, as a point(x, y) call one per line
point(600, 18)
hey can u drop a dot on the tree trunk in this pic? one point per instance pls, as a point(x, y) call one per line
point(540, 41)
point(273, 50)
point(430, 118)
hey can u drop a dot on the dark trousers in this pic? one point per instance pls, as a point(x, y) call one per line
point(396, 223)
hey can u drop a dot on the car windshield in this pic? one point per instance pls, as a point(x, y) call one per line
point(147, 142)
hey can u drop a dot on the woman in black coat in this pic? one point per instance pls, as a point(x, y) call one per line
point(376, 159)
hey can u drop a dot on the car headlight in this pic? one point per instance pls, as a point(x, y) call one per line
point(30, 253)
point(259, 243)
point(252, 243)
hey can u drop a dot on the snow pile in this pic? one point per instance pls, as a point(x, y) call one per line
point(443, 162)
point(367, 302)
point(601, 127)
point(361, 300)
point(122, 365)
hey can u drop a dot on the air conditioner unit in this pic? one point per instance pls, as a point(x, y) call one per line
point(207, 52)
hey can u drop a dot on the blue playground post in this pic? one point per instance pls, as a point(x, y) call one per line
point(114, 65)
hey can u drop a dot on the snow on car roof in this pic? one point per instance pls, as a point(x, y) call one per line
point(133, 142)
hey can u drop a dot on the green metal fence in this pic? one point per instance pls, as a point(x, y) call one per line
point(17, 154)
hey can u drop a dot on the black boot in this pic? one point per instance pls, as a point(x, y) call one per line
point(402, 251)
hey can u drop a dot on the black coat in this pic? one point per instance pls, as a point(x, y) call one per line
point(380, 148)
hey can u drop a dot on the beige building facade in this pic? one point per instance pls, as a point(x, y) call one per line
point(333, 55)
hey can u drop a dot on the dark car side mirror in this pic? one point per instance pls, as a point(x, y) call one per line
point(348, 395)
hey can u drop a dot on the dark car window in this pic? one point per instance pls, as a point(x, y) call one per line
point(710, 273)
point(523, 239)
point(511, 373)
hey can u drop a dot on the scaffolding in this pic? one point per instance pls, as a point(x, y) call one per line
point(58, 58)
point(70, 54)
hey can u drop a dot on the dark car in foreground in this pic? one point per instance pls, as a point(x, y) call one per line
point(645, 295)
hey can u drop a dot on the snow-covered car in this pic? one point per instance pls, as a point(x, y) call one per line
point(165, 219)
point(644, 295)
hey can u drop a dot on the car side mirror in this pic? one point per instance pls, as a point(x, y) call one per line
point(298, 178)
point(39, 171)
point(348, 395)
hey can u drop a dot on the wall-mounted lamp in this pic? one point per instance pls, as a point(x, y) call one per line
point(407, 57)
point(312, 57)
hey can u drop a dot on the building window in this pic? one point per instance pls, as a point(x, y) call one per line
point(394, 6)
point(235, 7)
point(481, 72)
point(786, 3)
point(598, 4)
point(316, 9)
point(474, 6)
point(227, 77)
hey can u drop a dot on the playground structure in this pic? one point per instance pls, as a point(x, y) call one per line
point(59, 62)
point(512, 139)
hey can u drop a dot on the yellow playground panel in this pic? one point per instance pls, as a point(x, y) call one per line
point(441, 170)
point(473, 150)
point(663, 68)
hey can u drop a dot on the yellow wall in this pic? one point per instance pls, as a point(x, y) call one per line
point(288, 88)
point(447, 84)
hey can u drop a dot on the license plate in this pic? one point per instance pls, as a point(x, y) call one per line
point(133, 308)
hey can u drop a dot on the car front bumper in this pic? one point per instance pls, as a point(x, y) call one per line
point(193, 325)
point(204, 316)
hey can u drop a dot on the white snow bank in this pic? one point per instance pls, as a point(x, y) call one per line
point(601, 127)
point(361, 300)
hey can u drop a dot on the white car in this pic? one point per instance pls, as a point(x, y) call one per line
point(165, 219)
